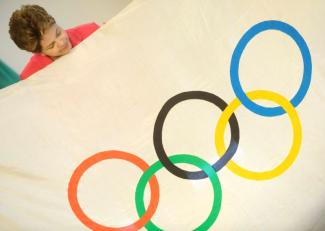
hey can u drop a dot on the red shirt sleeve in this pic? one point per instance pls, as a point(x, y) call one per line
point(87, 29)
point(36, 63)
point(80, 33)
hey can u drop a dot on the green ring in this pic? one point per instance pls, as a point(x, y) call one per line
point(188, 159)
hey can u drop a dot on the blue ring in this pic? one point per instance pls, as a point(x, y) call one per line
point(234, 66)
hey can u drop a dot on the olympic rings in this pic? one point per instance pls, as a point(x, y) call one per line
point(189, 159)
point(86, 164)
point(234, 66)
point(297, 135)
point(225, 155)
point(157, 134)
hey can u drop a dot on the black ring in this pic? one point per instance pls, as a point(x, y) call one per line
point(157, 134)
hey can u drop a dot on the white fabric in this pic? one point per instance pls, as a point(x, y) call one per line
point(106, 94)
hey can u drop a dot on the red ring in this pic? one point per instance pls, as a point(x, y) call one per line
point(86, 164)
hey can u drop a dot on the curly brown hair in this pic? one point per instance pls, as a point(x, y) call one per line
point(27, 25)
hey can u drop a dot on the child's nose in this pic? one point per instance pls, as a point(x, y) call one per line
point(60, 43)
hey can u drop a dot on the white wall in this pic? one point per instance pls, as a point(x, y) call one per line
point(67, 14)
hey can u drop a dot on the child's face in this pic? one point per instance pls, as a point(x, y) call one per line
point(55, 42)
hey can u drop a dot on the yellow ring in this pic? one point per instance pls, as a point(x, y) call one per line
point(297, 135)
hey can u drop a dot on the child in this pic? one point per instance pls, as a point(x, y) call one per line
point(34, 30)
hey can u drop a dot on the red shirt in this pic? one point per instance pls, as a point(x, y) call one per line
point(76, 35)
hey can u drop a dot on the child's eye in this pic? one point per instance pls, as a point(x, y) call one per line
point(50, 46)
